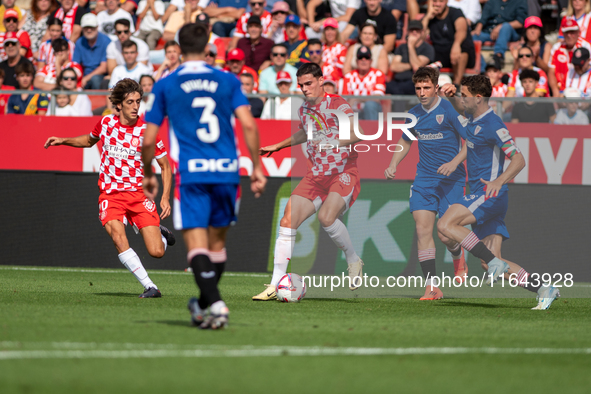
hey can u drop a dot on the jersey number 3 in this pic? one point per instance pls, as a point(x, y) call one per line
point(211, 133)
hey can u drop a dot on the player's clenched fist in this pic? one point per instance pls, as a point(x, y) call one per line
point(258, 181)
point(53, 141)
point(390, 172)
point(448, 90)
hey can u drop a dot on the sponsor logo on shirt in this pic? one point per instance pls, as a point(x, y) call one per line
point(427, 137)
point(470, 144)
point(119, 152)
point(212, 165)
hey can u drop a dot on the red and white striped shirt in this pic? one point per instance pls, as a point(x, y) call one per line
point(266, 20)
point(371, 84)
point(515, 83)
point(121, 158)
point(580, 82)
point(68, 19)
point(46, 54)
point(560, 58)
point(333, 58)
point(583, 23)
point(499, 90)
point(49, 72)
point(325, 129)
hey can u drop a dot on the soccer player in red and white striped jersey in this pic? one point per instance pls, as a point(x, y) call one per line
point(122, 199)
point(331, 184)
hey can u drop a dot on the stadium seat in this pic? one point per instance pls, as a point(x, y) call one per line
point(97, 101)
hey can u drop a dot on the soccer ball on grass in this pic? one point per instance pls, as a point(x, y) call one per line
point(291, 288)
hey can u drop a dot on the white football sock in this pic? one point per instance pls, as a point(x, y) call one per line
point(283, 250)
point(340, 236)
point(132, 262)
point(164, 242)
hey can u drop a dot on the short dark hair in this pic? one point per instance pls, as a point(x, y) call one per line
point(280, 45)
point(60, 44)
point(531, 74)
point(123, 22)
point(128, 44)
point(146, 76)
point(193, 38)
point(24, 68)
point(424, 74)
point(52, 20)
point(309, 68)
point(478, 84)
point(171, 43)
point(314, 41)
point(122, 89)
point(526, 47)
point(247, 75)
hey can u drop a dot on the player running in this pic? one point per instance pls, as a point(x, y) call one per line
point(122, 199)
point(441, 175)
point(331, 184)
point(200, 102)
point(485, 208)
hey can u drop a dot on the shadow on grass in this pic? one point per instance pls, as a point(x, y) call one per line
point(118, 294)
point(476, 305)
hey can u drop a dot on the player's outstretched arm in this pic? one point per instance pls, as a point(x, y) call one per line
point(82, 141)
point(149, 183)
point(297, 138)
point(448, 168)
point(166, 185)
point(258, 181)
point(517, 164)
point(397, 157)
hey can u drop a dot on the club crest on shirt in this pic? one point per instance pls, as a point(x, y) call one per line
point(345, 179)
point(439, 118)
point(135, 141)
point(477, 130)
point(150, 206)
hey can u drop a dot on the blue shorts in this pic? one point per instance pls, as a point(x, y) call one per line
point(489, 213)
point(200, 205)
point(434, 195)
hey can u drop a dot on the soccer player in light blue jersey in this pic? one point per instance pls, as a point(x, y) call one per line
point(440, 176)
point(488, 142)
point(200, 102)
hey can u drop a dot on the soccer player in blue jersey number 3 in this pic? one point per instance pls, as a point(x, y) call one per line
point(200, 102)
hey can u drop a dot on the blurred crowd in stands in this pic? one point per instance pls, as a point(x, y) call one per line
point(528, 48)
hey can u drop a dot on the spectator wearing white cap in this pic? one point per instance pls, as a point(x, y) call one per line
point(91, 52)
point(579, 76)
point(268, 77)
point(283, 105)
point(571, 114)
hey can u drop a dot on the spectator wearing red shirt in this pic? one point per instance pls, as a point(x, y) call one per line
point(258, 9)
point(580, 11)
point(314, 55)
point(562, 53)
point(525, 60)
point(70, 13)
point(333, 52)
point(11, 25)
point(4, 97)
point(256, 48)
point(499, 89)
point(365, 81)
point(235, 65)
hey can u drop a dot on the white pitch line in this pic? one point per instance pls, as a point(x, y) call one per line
point(273, 351)
point(122, 271)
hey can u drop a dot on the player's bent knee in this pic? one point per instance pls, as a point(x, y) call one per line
point(156, 251)
point(325, 220)
point(285, 221)
point(443, 228)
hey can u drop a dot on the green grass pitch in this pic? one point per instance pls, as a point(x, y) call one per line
point(85, 331)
